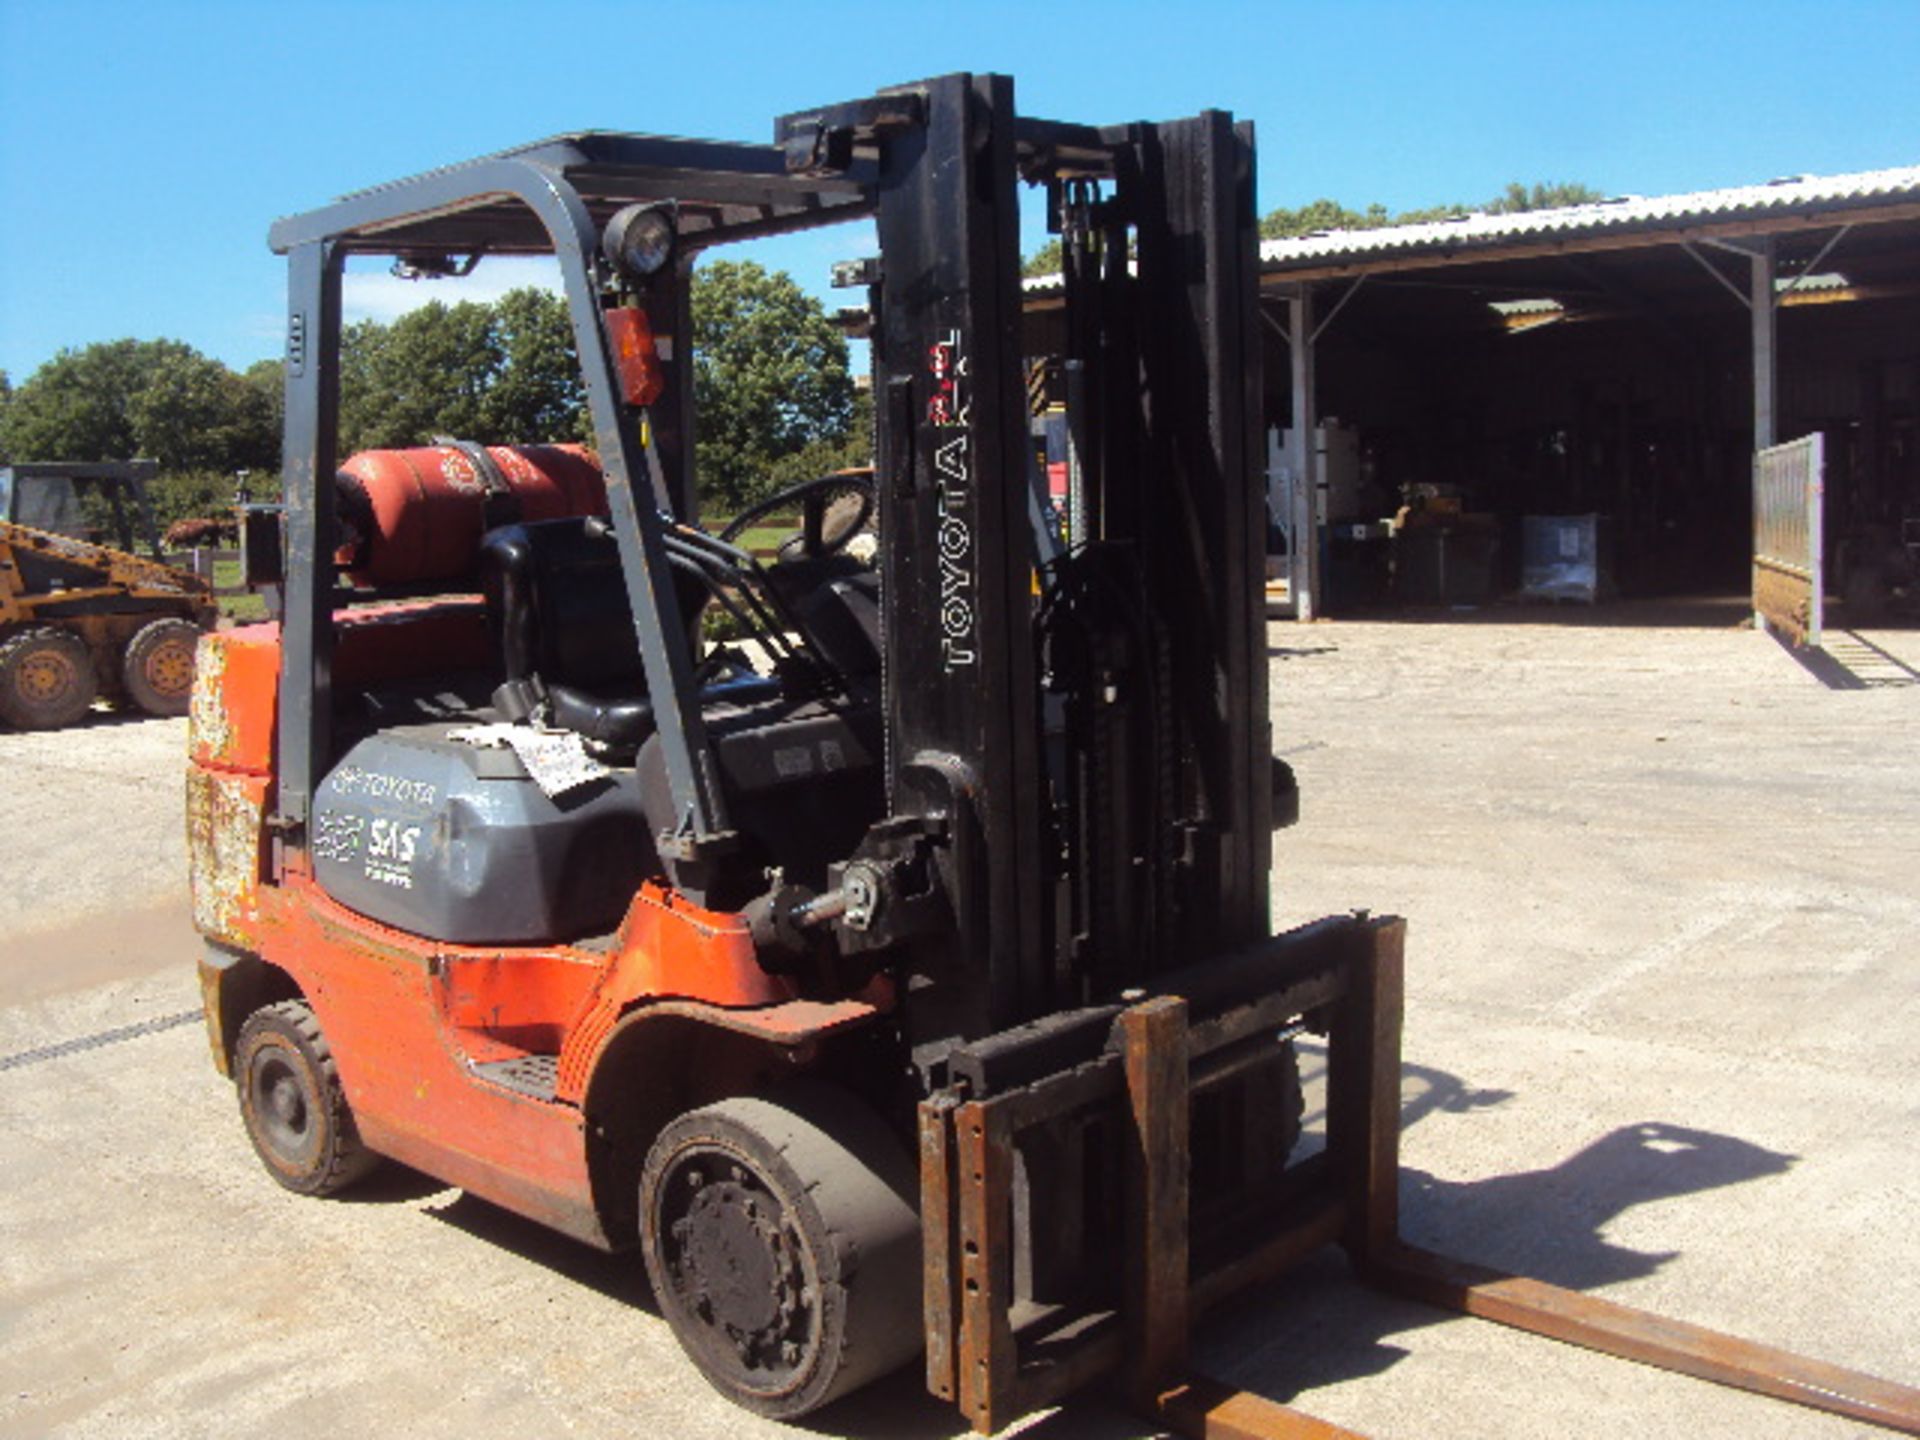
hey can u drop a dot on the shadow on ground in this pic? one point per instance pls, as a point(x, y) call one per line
point(1315, 1327)
point(1680, 612)
point(898, 1406)
point(1299, 652)
point(1847, 660)
point(619, 1277)
point(1319, 1326)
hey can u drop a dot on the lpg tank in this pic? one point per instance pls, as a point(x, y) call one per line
point(416, 516)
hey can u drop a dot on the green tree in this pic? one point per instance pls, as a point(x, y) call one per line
point(193, 413)
point(536, 394)
point(1324, 214)
point(501, 374)
point(121, 398)
point(193, 495)
point(769, 378)
point(1044, 261)
point(75, 406)
point(268, 381)
point(1321, 214)
point(426, 374)
point(1542, 195)
point(828, 454)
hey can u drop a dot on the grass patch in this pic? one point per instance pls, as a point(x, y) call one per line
point(762, 539)
point(243, 608)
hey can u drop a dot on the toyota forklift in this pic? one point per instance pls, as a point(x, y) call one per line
point(897, 977)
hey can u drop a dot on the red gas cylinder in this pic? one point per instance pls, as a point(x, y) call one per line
point(412, 517)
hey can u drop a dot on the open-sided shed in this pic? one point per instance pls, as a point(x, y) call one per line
point(1624, 359)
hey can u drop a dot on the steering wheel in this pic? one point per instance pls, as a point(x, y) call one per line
point(827, 525)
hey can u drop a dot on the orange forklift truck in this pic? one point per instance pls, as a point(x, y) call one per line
point(896, 977)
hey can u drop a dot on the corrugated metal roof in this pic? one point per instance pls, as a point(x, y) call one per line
point(1480, 230)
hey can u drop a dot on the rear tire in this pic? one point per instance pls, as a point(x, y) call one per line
point(296, 1114)
point(157, 667)
point(782, 1240)
point(46, 678)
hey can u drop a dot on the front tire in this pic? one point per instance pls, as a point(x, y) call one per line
point(157, 668)
point(46, 678)
point(296, 1114)
point(782, 1241)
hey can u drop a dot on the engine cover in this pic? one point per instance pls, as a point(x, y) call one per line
point(452, 842)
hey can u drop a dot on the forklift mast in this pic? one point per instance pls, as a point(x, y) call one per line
point(1078, 786)
point(1077, 862)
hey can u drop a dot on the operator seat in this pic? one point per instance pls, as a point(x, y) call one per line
point(842, 614)
point(562, 628)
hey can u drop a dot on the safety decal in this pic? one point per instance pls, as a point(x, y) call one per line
point(390, 852)
point(375, 785)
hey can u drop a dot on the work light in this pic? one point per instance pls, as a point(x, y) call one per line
point(639, 239)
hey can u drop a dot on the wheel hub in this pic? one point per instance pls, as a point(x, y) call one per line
point(170, 669)
point(46, 676)
point(736, 1263)
point(282, 1105)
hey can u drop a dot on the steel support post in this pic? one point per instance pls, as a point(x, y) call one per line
point(1761, 308)
point(1303, 558)
point(1761, 314)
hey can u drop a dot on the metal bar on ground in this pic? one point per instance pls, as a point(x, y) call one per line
point(1208, 1410)
point(1154, 1036)
point(1620, 1330)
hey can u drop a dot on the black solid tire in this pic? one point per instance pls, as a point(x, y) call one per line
point(46, 678)
point(816, 1199)
point(295, 1112)
point(157, 666)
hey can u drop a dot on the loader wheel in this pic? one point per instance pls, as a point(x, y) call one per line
point(290, 1098)
point(783, 1245)
point(158, 665)
point(46, 678)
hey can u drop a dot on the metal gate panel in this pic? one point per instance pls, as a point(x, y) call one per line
point(1789, 486)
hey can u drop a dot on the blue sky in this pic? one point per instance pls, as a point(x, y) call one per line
point(145, 147)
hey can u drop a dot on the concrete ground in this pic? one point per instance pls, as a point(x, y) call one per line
point(1663, 887)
